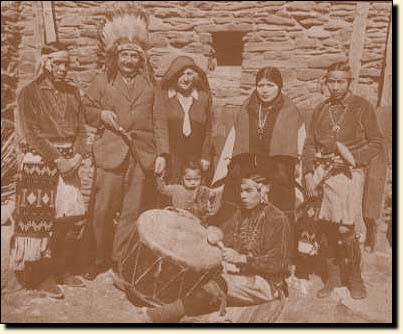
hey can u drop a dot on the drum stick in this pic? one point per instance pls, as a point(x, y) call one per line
point(220, 245)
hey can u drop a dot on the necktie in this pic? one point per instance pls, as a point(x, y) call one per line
point(186, 129)
point(186, 103)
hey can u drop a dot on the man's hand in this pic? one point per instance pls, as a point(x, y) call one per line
point(336, 159)
point(160, 165)
point(310, 186)
point(110, 119)
point(76, 160)
point(67, 165)
point(214, 235)
point(205, 165)
point(232, 256)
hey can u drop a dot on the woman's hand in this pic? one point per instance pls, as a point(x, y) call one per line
point(310, 186)
point(160, 165)
point(232, 256)
point(205, 165)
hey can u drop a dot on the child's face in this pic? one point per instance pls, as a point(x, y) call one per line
point(191, 178)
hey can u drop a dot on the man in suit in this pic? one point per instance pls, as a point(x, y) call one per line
point(119, 103)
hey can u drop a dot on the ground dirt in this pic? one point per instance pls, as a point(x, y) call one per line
point(101, 302)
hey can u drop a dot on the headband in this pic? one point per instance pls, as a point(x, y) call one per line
point(130, 46)
point(255, 184)
point(339, 74)
point(45, 61)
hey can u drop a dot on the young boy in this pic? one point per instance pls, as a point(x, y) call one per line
point(190, 195)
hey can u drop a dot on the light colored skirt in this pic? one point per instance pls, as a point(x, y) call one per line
point(342, 198)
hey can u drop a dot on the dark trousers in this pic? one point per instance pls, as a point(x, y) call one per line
point(66, 255)
point(118, 190)
point(344, 249)
point(65, 246)
point(282, 195)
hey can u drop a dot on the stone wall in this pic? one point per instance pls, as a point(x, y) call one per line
point(301, 38)
point(10, 40)
point(373, 57)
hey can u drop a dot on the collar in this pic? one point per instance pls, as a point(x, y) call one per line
point(172, 93)
point(46, 83)
point(119, 76)
point(128, 81)
point(254, 213)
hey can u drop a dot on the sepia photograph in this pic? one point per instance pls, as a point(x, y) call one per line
point(197, 162)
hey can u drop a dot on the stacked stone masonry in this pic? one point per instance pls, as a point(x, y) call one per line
point(300, 37)
point(10, 40)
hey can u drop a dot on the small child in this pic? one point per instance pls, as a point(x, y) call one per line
point(190, 195)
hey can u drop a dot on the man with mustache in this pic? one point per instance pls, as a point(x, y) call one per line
point(119, 103)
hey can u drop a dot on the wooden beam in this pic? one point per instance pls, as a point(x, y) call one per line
point(358, 41)
point(49, 23)
point(39, 31)
point(386, 94)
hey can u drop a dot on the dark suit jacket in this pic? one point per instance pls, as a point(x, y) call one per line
point(134, 107)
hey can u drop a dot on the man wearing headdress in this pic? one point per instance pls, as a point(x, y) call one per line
point(50, 122)
point(119, 103)
point(344, 137)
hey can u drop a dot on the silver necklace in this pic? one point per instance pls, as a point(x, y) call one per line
point(261, 121)
point(336, 124)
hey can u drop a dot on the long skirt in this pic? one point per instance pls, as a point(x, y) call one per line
point(36, 192)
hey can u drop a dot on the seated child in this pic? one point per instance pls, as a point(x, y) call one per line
point(190, 195)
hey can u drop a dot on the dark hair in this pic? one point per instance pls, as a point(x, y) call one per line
point(258, 178)
point(339, 66)
point(53, 47)
point(270, 73)
point(192, 165)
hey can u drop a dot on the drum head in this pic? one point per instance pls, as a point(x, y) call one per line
point(179, 236)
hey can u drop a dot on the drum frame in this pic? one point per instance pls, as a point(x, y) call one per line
point(153, 301)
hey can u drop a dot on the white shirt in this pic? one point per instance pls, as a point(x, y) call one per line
point(186, 102)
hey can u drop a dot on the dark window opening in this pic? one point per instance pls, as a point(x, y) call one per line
point(228, 47)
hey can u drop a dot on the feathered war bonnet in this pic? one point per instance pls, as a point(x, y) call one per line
point(125, 28)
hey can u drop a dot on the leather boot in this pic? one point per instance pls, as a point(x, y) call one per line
point(167, 313)
point(355, 281)
point(369, 244)
point(333, 279)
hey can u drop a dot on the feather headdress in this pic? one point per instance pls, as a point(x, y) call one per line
point(126, 24)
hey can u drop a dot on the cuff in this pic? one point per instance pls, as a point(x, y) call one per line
point(246, 267)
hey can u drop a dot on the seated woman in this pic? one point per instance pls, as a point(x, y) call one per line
point(255, 246)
